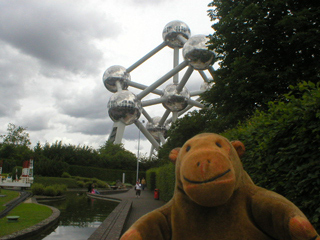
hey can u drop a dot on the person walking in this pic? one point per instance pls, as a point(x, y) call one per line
point(138, 189)
point(143, 183)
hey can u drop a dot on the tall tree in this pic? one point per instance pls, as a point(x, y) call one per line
point(16, 136)
point(263, 47)
point(15, 147)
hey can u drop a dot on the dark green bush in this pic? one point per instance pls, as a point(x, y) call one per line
point(81, 184)
point(60, 189)
point(37, 189)
point(151, 178)
point(66, 175)
point(283, 150)
point(50, 191)
point(165, 181)
point(108, 175)
point(47, 181)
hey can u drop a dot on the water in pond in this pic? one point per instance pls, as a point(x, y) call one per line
point(80, 217)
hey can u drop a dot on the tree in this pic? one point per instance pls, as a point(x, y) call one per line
point(115, 156)
point(15, 145)
point(16, 136)
point(263, 46)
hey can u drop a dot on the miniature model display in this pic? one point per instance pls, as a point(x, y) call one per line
point(215, 198)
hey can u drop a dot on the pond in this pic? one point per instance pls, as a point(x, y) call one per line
point(80, 217)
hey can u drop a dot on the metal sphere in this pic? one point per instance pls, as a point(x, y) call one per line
point(196, 52)
point(125, 107)
point(155, 129)
point(175, 101)
point(174, 29)
point(115, 74)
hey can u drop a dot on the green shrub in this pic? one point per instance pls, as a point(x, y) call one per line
point(103, 173)
point(50, 191)
point(81, 184)
point(151, 178)
point(66, 175)
point(37, 189)
point(47, 181)
point(165, 181)
point(60, 189)
point(282, 148)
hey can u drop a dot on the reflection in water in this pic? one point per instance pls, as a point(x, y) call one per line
point(80, 216)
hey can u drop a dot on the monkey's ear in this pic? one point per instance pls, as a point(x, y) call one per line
point(239, 146)
point(174, 155)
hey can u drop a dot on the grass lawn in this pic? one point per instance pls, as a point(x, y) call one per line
point(30, 214)
point(10, 195)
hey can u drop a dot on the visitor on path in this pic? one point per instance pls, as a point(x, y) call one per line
point(94, 191)
point(138, 189)
point(143, 183)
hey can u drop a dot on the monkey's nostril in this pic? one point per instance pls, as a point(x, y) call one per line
point(209, 161)
point(198, 164)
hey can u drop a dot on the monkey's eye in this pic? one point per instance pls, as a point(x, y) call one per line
point(218, 144)
point(188, 148)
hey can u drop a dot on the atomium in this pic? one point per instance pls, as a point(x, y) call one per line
point(175, 101)
point(157, 129)
point(197, 54)
point(173, 32)
point(126, 108)
point(116, 78)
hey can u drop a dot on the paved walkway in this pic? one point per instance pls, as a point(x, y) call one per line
point(140, 206)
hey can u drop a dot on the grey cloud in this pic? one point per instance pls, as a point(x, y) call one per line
point(14, 70)
point(91, 127)
point(37, 121)
point(61, 32)
point(90, 104)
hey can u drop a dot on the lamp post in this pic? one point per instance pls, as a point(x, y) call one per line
point(138, 155)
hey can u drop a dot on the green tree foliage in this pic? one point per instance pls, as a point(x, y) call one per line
point(16, 136)
point(14, 148)
point(117, 157)
point(73, 155)
point(263, 48)
point(54, 159)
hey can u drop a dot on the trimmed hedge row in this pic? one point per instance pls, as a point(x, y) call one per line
point(108, 175)
point(162, 178)
point(283, 150)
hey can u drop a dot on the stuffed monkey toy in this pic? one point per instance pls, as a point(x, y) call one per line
point(215, 199)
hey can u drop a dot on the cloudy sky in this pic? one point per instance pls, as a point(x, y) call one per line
point(53, 55)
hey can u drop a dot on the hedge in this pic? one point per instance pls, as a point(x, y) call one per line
point(283, 150)
point(162, 178)
point(151, 179)
point(108, 175)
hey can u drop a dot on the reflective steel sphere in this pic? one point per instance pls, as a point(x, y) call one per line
point(196, 52)
point(172, 30)
point(112, 75)
point(155, 129)
point(175, 101)
point(125, 107)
